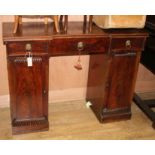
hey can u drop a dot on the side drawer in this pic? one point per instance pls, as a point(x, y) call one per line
point(71, 46)
point(127, 43)
point(21, 47)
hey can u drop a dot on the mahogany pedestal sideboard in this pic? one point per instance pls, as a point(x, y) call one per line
point(113, 65)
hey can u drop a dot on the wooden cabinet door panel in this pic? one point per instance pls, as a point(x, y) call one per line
point(122, 77)
point(28, 88)
point(29, 99)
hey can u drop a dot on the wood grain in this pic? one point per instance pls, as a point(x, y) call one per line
point(72, 120)
point(29, 85)
point(145, 80)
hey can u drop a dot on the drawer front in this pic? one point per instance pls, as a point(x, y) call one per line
point(22, 47)
point(71, 46)
point(127, 43)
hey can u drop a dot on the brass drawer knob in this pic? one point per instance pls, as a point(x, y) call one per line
point(80, 46)
point(28, 47)
point(128, 43)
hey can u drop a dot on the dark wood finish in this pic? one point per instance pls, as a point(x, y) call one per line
point(29, 94)
point(122, 76)
point(122, 70)
point(19, 48)
point(98, 82)
point(38, 31)
point(119, 85)
point(111, 78)
point(148, 60)
point(69, 46)
point(64, 25)
point(118, 44)
point(90, 22)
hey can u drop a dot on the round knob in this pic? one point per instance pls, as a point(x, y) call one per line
point(128, 43)
point(28, 47)
point(80, 46)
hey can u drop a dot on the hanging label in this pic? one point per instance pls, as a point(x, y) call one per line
point(29, 61)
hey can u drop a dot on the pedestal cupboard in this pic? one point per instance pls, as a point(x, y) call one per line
point(114, 60)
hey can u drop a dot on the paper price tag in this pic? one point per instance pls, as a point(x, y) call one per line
point(29, 61)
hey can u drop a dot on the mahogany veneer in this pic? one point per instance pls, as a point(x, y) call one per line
point(114, 59)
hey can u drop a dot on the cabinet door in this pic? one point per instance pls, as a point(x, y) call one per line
point(122, 77)
point(28, 92)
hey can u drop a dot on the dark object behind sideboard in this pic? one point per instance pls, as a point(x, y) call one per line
point(148, 55)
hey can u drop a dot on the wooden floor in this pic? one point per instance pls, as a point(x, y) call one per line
point(72, 120)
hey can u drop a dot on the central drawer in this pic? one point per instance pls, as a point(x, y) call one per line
point(72, 46)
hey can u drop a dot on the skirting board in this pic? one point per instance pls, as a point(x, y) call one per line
point(54, 96)
point(4, 101)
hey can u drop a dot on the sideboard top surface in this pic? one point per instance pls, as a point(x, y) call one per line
point(40, 31)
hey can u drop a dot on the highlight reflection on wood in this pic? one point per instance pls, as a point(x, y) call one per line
point(110, 56)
